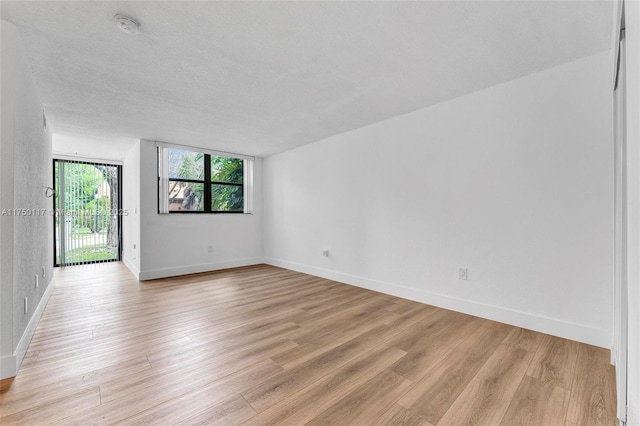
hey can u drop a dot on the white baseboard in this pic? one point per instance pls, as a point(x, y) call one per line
point(7, 367)
point(568, 330)
point(23, 344)
point(613, 354)
point(132, 267)
point(633, 414)
point(195, 269)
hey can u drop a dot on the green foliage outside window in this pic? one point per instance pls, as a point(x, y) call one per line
point(227, 197)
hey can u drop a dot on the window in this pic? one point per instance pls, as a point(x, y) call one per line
point(191, 181)
point(227, 186)
point(186, 180)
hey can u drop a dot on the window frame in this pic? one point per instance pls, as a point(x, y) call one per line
point(207, 182)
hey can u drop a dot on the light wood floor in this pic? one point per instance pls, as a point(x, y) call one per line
point(262, 345)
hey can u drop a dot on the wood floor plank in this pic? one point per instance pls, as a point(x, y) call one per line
point(400, 416)
point(190, 374)
point(77, 364)
point(414, 337)
point(203, 403)
point(431, 348)
point(432, 396)
point(498, 326)
point(367, 403)
point(524, 339)
point(593, 394)
point(414, 316)
point(325, 329)
point(149, 399)
point(486, 399)
point(537, 403)
point(54, 410)
point(403, 305)
point(52, 341)
point(555, 361)
point(6, 385)
point(26, 394)
point(308, 403)
point(311, 348)
point(323, 310)
point(270, 347)
point(239, 340)
point(231, 412)
point(87, 352)
point(272, 391)
point(264, 345)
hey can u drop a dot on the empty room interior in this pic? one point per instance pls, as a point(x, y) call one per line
point(320, 212)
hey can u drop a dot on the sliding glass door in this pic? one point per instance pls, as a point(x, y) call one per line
point(87, 220)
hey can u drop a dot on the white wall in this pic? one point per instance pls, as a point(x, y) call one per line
point(513, 182)
point(9, 51)
point(632, 15)
point(174, 244)
point(27, 238)
point(131, 205)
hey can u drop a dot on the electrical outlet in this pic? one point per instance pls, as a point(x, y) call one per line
point(37, 283)
point(25, 305)
point(463, 274)
point(325, 252)
point(134, 246)
point(210, 249)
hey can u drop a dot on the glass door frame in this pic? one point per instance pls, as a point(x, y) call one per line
point(56, 213)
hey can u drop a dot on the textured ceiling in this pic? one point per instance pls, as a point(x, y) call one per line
point(262, 77)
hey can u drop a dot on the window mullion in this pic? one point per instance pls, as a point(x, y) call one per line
point(207, 183)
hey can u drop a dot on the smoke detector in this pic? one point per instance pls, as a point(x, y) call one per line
point(127, 24)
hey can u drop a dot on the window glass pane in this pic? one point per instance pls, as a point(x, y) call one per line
point(224, 169)
point(186, 196)
point(185, 164)
point(227, 198)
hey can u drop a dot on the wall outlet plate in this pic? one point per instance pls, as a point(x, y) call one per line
point(463, 274)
